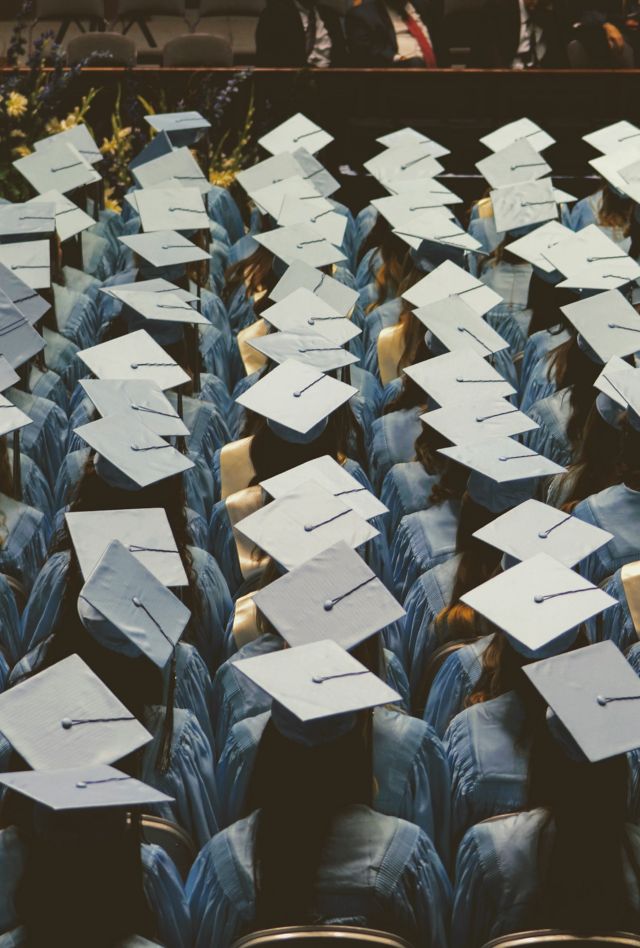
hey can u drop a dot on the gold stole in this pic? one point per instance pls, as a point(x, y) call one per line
point(630, 575)
point(251, 358)
point(236, 469)
point(245, 621)
point(240, 505)
point(390, 349)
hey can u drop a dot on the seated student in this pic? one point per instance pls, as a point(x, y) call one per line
point(520, 35)
point(314, 851)
point(596, 43)
point(569, 861)
point(300, 33)
point(607, 207)
point(547, 330)
point(396, 33)
point(83, 876)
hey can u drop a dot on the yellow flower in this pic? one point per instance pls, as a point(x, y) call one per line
point(16, 105)
point(21, 151)
point(110, 203)
point(17, 133)
point(124, 133)
point(109, 146)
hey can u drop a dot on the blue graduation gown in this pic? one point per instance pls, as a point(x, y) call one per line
point(616, 509)
point(454, 682)
point(423, 539)
point(24, 536)
point(550, 439)
point(429, 594)
point(45, 440)
point(616, 623)
point(393, 439)
point(405, 489)
point(376, 871)
point(534, 381)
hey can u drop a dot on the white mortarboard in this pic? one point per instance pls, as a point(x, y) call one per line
point(515, 131)
point(593, 691)
point(31, 260)
point(94, 787)
point(533, 247)
point(270, 199)
point(126, 608)
point(300, 242)
point(30, 304)
point(334, 595)
point(145, 533)
point(608, 323)
point(172, 209)
point(165, 307)
point(11, 418)
point(613, 137)
point(66, 717)
point(159, 145)
point(79, 137)
point(19, 341)
point(609, 383)
point(181, 127)
point(523, 205)
point(314, 171)
point(612, 166)
point(23, 220)
point(317, 211)
point(58, 166)
point(534, 527)
point(179, 166)
point(458, 377)
point(301, 276)
point(478, 421)
point(630, 174)
point(304, 522)
point(134, 356)
point(143, 398)
point(156, 285)
point(311, 348)
point(165, 248)
point(590, 260)
point(425, 191)
point(563, 197)
point(514, 164)
point(412, 162)
point(397, 209)
point(302, 310)
point(333, 477)
point(539, 604)
point(133, 449)
point(317, 681)
point(435, 227)
point(269, 171)
point(457, 326)
point(502, 460)
point(296, 132)
point(296, 396)
point(451, 280)
point(8, 375)
point(69, 219)
point(409, 136)
point(627, 383)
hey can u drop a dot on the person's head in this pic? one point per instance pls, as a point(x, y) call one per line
point(570, 366)
point(394, 260)
point(596, 464)
point(255, 273)
point(545, 301)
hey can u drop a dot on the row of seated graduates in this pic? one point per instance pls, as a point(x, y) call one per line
point(429, 561)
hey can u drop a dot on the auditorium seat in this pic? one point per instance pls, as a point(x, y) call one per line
point(172, 838)
point(460, 20)
point(235, 21)
point(311, 936)
point(579, 58)
point(547, 938)
point(67, 18)
point(151, 24)
point(102, 49)
point(197, 50)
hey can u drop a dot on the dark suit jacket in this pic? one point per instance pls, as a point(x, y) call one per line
point(280, 38)
point(498, 34)
point(372, 39)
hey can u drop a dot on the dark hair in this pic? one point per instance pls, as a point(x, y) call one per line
point(415, 350)
point(544, 301)
point(571, 368)
point(630, 456)
point(597, 462)
point(83, 879)
point(395, 258)
point(255, 272)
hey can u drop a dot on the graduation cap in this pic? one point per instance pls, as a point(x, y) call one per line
point(613, 137)
point(607, 382)
point(630, 175)
point(79, 137)
point(607, 322)
point(134, 356)
point(23, 220)
point(179, 167)
point(451, 280)
point(310, 348)
point(296, 132)
point(502, 460)
point(8, 375)
point(31, 260)
point(478, 421)
point(314, 171)
point(425, 191)
point(27, 301)
point(458, 377)
point(534, 527)
point(612, 168)
point(94, 787)
point(590, 260)
point(296, 399)
point(302, 276)
point(302, 523)
point(457, 326)
point(172, 209)
point(300, 242)
point(515, 164)
point(165, 248)
point(412, 162)
point(164, 307)
point(135, 457)
point(270, 171)
point(127, 609)
point(404, 137)
point(304, 311)
point(593, 692)
point(326, 472)
point(519, 206)
point(11, 418)
point(270, 199)
point(59, 166)
point(19, 342)
point(70, 219)
point(155, 285)
point(512, 132)
point(539, 604)
point(317, 211)
point(159, 145)
point(333, 596)
point(397, 209)
point(627, 385)
point(141, 398)
point(430, 231)
point(534, 246)
point(312, 683)
point(66, 717)
point(145, 533)
point(182, 128)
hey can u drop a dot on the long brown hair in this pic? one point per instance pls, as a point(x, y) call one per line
point(254, 272)
point(596, 465)
point(570, 368)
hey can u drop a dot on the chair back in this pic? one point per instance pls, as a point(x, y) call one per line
point(232, 7)
point(69, 9)
point(173, 839)
point(579, 57)
point(197, 50)
point(321, 936)
point(549, 938)
point(143, 8)
point(88, 48)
